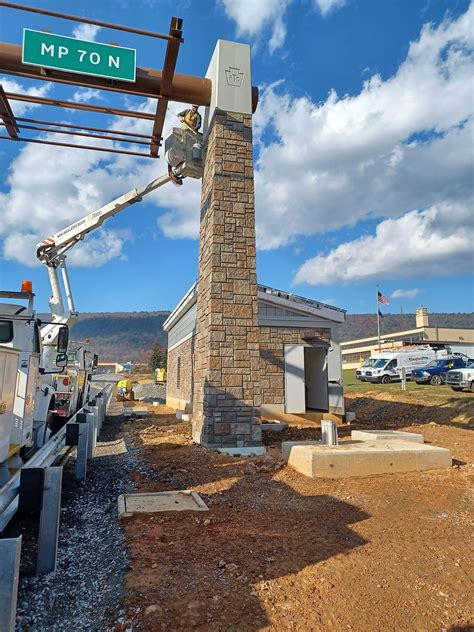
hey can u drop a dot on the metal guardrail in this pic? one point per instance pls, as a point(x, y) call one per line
point(44, 457)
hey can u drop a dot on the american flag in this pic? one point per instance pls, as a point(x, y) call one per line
point(382, 299)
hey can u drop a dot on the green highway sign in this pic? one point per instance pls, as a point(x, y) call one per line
point(78, 56)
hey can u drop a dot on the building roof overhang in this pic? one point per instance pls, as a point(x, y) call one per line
point(279, 298)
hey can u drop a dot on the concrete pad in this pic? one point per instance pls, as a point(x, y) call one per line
point(287, 446)
point(154, 502)
point(364, 458)
point(253, 451)
point(274, 426)
point(386, 435)
point(138, 412)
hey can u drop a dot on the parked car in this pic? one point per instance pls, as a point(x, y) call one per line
point(461, 379)
point(435, 371)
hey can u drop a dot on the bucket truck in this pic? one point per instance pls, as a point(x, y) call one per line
point(26, 395)
point(42, 394)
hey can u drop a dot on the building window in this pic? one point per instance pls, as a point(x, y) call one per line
point(178, 373)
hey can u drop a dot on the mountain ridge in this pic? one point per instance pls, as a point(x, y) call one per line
point(123, 336)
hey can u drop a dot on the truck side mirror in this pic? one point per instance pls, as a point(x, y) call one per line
point(61, 360)
point(63, 340)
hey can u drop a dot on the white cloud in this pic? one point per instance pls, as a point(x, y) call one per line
point(326, 6)
point(398, 145)
point(253, 16)
point(61, 187)
point(401, 293)
point(104, 246)
point(64, 185)
point(84, 95)
point(86, 32)
point(434, 242)
point(21, 107)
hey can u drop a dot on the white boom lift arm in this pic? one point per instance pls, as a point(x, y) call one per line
point(183, 154)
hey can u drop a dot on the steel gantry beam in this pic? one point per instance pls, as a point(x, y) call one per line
point(171, 57)
point(163, 85)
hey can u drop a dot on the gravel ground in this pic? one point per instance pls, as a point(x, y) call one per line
point(150, 393)
point(85, 593)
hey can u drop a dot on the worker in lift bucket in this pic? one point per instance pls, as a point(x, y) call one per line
point(191, 119)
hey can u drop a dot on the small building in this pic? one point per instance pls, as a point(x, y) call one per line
point(300, 355)
point(355, 352)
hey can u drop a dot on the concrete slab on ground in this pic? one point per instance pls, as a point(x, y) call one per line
point(364, 458)
point(386, 435)
point(154, 502)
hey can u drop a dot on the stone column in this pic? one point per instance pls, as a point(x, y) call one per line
point(226, 355)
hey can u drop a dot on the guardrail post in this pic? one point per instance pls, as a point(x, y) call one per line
point(10, 549)
point(89, 418)
point(77, 434)
point(49, 521)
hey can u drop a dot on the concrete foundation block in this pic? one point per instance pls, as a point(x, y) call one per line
point(274, 426)
point(385, 435)
point(287, 446)
point(244, 451)
point(186, 417)
point(364, 458)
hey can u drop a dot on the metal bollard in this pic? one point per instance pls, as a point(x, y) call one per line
point(328, 432)
point(10, 549)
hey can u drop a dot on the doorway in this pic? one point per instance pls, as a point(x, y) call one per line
point(316, 379)
point(306, 379)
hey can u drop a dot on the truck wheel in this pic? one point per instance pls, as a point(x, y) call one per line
point(457, 388)
point(436, 380)
point(385, 379)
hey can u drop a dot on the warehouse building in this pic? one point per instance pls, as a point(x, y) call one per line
point(299, 350)
point(355, 352)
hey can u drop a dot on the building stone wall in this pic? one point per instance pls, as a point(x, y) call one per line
point(179, 387)
point(226, 365)
point(272, 342)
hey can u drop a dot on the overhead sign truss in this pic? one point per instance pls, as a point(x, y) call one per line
point(67, 60)
point(75, 62)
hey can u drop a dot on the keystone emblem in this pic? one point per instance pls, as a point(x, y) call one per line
point(234, 77)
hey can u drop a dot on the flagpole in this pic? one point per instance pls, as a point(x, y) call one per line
point(377, 312)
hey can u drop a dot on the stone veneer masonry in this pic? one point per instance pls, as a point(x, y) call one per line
point(226, 393)
point(179, 387)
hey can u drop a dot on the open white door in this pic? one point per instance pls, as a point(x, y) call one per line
point(295, 401)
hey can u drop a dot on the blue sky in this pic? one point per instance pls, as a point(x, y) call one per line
point(363, 156)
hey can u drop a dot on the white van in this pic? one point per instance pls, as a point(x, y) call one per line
point(386, 367)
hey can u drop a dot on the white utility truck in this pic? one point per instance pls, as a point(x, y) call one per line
point(387, 366)
point(22, 349)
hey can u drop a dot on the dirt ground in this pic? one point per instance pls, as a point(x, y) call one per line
point(278, 551)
